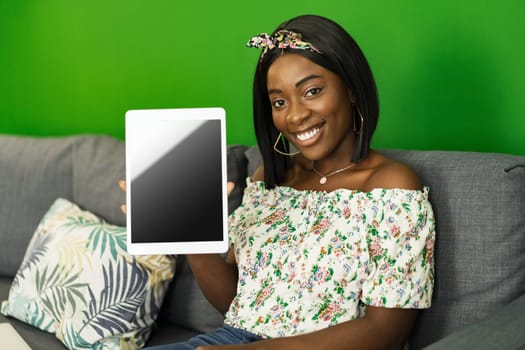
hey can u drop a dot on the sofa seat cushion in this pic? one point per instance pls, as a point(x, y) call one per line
point(168, 333)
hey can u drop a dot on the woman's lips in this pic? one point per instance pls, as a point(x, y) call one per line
point(308, 137)
point(308, 134)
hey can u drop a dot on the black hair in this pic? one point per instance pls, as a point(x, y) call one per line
point(339, 54)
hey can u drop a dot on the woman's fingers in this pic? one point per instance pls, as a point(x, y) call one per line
point(122, 185)
point(231, 186)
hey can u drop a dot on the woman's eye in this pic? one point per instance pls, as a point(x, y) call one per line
point(313, 91)
point(278, 103)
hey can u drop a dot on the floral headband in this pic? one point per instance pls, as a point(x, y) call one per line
point(283, 39)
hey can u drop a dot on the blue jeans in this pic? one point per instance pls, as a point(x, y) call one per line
point(221, 336)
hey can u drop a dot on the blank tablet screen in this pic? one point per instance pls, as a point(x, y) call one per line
point(176, 181)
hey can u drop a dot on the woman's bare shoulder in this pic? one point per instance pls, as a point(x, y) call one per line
point(258, 175)
point(390, 173)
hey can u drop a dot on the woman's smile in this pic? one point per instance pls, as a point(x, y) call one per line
point(307, 137)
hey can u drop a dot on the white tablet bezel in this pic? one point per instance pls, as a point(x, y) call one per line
point(133, 119)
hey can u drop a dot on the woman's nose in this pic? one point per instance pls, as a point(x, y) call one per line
point(297, 113)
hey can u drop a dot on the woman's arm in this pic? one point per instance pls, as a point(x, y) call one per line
point(216, 277)
point(381, 328)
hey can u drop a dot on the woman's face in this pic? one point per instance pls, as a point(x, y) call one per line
point(311, 106)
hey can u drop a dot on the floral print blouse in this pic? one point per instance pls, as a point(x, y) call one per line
point(311, 259)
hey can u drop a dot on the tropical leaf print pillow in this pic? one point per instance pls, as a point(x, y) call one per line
point(78, 282)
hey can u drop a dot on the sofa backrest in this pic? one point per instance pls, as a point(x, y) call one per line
point(36, 171)
point(479, 205)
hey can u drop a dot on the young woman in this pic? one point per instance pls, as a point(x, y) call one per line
point(332, 247)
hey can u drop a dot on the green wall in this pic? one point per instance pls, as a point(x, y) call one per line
point(450, 73)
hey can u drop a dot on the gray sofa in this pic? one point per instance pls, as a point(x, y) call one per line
point(478, 199)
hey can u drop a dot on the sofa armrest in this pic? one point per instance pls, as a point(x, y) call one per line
point(502, 330)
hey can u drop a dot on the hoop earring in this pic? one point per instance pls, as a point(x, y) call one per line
point(356, 157)
point(279, 137)
point(362, 121)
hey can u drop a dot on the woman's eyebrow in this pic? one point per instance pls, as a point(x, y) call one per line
point(299, 83)
point(305, 79)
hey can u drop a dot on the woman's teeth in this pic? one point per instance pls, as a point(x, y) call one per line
point(307, 135)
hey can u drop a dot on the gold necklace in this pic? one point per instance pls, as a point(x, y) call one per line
point(324, 178)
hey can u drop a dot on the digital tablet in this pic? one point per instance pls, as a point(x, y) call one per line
point(176, 181)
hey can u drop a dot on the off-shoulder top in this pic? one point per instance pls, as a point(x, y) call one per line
point(311, 259)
